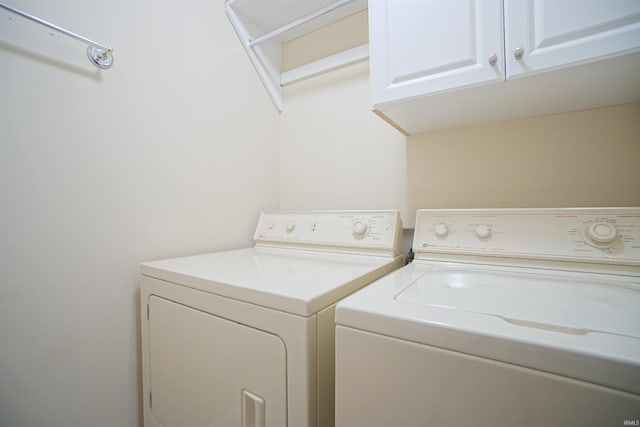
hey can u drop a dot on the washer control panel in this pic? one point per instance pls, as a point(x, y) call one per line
point(603, 235)
point(367, 231)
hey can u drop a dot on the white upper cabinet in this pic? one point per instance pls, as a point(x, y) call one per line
point(433, 46)
point(559, 33)
point(446, 63)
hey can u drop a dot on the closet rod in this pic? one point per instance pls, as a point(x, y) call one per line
point(99, 54)
point(298, 22)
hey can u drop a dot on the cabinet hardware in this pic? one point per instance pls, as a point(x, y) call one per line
point(518, 53)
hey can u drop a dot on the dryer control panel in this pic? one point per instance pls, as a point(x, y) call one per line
point(375, 232)
point(600, 235)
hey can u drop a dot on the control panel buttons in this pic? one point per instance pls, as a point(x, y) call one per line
point(600, 234)
point(441, 230)
point(359, 228)
point(531, 236)
point(371, 232)
point(483, 231)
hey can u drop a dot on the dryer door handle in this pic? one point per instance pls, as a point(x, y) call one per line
point(252, 410)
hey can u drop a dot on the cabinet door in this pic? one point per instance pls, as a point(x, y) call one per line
point(423, 47)
point(559, 33)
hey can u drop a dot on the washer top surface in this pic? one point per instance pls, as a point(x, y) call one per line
point(551, 311)
point(295, 281)
point(569, 303)
point(587, 327)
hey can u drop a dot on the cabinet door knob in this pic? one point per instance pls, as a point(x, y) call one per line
point(519, 52)
point(493, 59)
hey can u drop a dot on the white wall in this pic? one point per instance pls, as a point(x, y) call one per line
point(172, 151)
point(582, 158)
point(335, 153)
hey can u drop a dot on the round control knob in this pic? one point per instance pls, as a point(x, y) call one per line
point(441, 230)
point(290, 226)
point(359, 228)
point(602, 232)
point(483, 231)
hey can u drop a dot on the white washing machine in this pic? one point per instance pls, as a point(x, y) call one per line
point(246, 337)
point(513, 317)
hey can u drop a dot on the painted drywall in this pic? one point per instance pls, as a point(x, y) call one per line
point(347, 33)
point(171, 152)
point(334, 152)
point(583, 158)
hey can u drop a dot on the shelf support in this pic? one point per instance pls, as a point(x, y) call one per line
point(333, 62)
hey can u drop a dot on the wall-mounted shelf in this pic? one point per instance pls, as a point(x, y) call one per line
point(263, 26)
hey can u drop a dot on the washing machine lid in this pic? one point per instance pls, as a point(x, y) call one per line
point(574, 304)
point(296, 281)
point(582, 325)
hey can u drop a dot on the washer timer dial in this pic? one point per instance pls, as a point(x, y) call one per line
point(600, 234)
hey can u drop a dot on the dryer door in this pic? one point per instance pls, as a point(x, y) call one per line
point(209, 371)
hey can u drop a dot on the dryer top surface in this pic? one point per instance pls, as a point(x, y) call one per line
point(295, 281)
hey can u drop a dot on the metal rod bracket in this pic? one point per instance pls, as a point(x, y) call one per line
point(99, 54)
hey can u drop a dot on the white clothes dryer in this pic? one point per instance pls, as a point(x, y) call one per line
point(506, 317)
point(246, 337)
